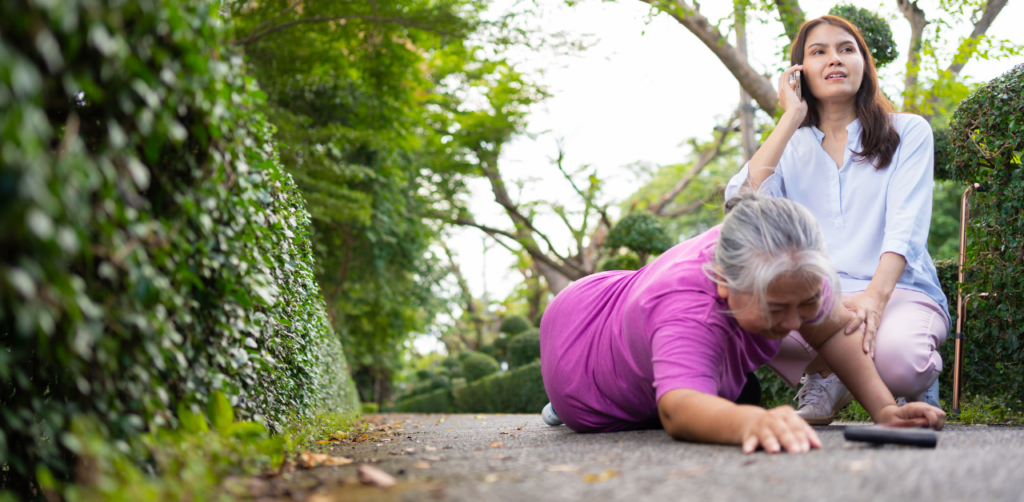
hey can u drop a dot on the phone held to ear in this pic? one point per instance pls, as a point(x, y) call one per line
point(795, 77)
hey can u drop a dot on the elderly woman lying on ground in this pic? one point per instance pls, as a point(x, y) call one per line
point(675, 343)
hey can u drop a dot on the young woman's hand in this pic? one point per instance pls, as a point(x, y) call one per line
point(912, 415)
point(789, 100)
point(777, 429)
point(867, 309)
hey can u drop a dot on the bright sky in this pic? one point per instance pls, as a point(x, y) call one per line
point(635, 97)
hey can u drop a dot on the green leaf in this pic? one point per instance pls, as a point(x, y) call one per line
point(219, 412)
point(191, 421)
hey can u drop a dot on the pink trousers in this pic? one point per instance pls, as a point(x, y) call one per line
point(906, 345)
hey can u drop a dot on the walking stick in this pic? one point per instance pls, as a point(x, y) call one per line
point(961, 301)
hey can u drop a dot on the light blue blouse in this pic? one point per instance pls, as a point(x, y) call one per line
point(864, 212)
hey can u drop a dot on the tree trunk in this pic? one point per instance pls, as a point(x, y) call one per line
point(746, 111)
point(915, 16)
point(791, 15)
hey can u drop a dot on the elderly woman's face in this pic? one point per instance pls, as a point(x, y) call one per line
point(791, 300)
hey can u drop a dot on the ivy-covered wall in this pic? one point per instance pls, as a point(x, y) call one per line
point(152, 249)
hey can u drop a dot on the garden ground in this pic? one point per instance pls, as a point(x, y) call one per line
point(518, 458)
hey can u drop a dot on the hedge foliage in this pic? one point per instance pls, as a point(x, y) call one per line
point(875, 30)
point(987, 142)
point(524, 348)
point(517, 391)
point(513, 325)
point(478, 365)
point(152, 250)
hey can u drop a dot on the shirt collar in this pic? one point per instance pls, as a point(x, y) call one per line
point(853, 130)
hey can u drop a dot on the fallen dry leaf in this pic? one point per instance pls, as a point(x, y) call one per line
point(421, 465)
point(410, 451)
point(602, 477)
point(339, 435)
point(564, 468)
point(432, 458)
point(429, 448)
point(521, 428)
point(478, 417)
point(329, 441)
point(496, 444)
point(310, 460)
point(370, 475)
point(858, 465)
point(491, 478)
point(498, 456)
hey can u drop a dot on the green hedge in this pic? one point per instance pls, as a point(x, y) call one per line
point(153, 250)
point(524, 348)
point(438, 401)
point(478, 365)
point(518, 391)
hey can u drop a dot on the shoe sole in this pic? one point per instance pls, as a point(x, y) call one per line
point(836, 409)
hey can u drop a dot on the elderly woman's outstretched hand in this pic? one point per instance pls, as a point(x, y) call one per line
point(912, 415)
point(780, 428)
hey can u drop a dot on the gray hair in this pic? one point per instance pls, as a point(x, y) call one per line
point(763, 238)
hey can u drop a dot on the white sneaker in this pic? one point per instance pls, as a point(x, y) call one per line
point(548, 414)
point(821, 398)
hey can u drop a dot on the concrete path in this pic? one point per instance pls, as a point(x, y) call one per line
point(518, 458)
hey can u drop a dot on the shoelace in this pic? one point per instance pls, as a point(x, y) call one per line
point(812, 392)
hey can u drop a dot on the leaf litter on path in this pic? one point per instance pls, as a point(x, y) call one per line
point(564, 468)
point(603, 476)
point(496, 444)
point(310, 460)
point(370, 475)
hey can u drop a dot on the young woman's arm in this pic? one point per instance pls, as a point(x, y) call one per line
point(845, 356)
point(691, 415)
point(767, 158)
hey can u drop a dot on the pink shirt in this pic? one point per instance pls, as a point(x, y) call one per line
point(613, 343)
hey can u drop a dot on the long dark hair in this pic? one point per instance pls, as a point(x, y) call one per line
point(879, 137)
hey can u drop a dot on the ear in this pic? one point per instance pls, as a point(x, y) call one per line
point(723, 291)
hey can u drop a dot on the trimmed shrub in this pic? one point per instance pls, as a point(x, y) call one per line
point(154, 251)
point(514, 325)
point(875, 30)
point(438, 401)
point(623, 261)
point(491, 350)
point(641, 233)
point(423, 374)
point(477, 366)
point(986, 134)
point(451, 362)
point(524, 349)
point(518, 391)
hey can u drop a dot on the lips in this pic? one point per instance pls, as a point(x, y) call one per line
point(835, 75)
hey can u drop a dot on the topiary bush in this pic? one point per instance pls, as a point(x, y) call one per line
point(513, 325)
point(641, 233)
point(476, 366)
point(986, 134)
point(524, 348)
point(451, 362)
point(152, 250)
point(875, 30)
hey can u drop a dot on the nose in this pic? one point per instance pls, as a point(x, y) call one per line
point(791, 321)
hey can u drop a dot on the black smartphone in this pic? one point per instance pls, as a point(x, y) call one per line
point(878, 434)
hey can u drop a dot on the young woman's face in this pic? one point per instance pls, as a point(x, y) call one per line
point(791, 300)
point(833, 65)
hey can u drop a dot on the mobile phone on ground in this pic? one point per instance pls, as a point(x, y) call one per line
point(878, 434)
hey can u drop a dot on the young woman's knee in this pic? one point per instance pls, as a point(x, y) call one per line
point(907, 371)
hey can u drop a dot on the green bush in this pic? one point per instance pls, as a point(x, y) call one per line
point(452, 363)
point(491, 350)
point(518, 391)
point(423, 374)
point(524, 349)
point(153, 249)
point(438, 401)
point(641, 233)
point(477, 366)
point(622, 261)
point(513, 325)
point(986, 134)
point(875, 30)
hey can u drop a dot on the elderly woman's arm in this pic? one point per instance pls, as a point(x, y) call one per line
point(692, 415)
point(844, 354)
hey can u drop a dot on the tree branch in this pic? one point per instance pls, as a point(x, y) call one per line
point(791, 15)
point(321, 19)
point(915, 16)
point(533, 250)
point(705, 158)
point(992, 10)
point(759, 87)
point(695, 205)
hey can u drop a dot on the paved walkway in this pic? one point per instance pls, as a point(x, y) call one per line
point(518, 458)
